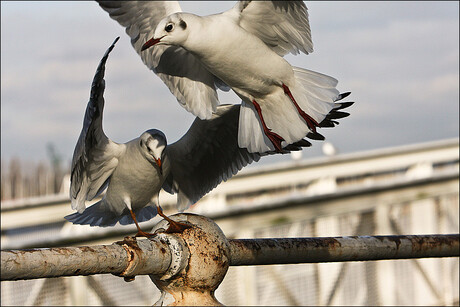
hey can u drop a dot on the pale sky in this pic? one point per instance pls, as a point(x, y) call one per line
point(400, 60)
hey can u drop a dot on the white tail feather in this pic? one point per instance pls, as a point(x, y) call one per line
point(314, 93)
point(250, 131)
point(315, 78)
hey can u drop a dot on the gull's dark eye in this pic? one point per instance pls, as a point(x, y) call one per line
point(169, 27)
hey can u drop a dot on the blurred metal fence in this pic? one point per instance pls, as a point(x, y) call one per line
point(171, 260)
point(413, 190)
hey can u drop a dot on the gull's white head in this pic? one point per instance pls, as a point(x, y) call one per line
point(152, 144)
point(172, 30)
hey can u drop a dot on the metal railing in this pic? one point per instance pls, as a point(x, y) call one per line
point(195, 262)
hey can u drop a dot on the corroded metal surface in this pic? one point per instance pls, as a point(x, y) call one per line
point(206, 263)
point(205, 248)
point(126, 258)
point(334, 249)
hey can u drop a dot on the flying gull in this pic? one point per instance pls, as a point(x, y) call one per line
point(240, 49)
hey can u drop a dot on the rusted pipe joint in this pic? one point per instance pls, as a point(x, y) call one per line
point(179, 254)
point(206, 264)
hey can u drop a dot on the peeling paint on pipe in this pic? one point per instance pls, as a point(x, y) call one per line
point(131, 257)
point(125, 258)
point(337, 249)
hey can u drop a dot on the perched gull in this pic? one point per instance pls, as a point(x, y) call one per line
point(241, 49)
point(134, 172)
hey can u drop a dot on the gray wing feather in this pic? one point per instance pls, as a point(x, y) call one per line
point(95, 156)
point(282, 25)
point(187, 79)
point(206, 155)
point(209, 154)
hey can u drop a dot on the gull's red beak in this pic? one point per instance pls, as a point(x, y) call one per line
point(150, 43)
point(158, 162)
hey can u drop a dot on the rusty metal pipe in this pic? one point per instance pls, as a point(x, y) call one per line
point(336, 249)
point(130, 258)
point(126, 258)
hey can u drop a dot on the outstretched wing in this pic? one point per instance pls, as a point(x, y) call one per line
point(95, 156)
point(187, 79)
point(282, 25)
point(207, 155)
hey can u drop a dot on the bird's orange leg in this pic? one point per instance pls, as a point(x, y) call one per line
point(272, 136)
point(311, 123)
point(139, 233)
point(174, 227)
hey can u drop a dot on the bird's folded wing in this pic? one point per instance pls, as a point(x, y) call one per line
point(184, 75)
point(282, 25)
point(95, 156)
point(205, 156)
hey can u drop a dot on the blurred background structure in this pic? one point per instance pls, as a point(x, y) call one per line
point(24, 179)
point(412, 189)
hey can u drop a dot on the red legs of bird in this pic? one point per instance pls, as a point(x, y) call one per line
point(174, 227)
point(311, 123)
point(272, 136)
point(139, 233)
point(275, 138)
